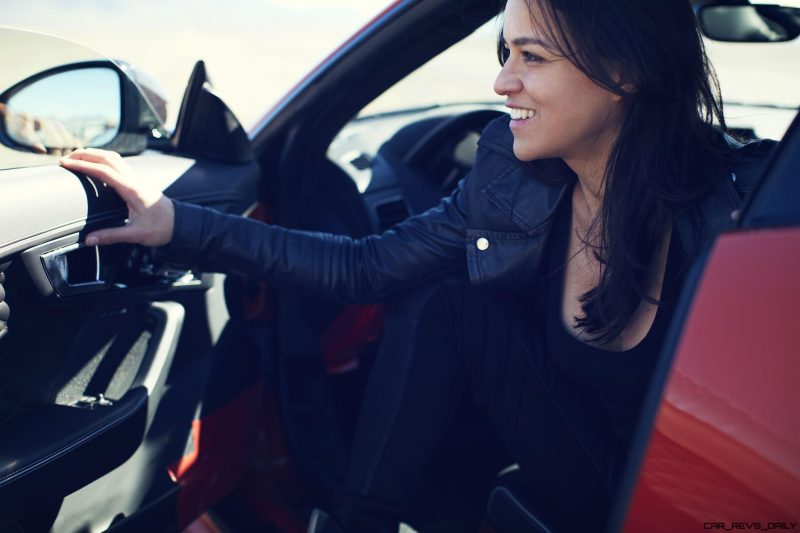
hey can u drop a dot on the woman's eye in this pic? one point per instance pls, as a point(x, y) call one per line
point(531, 58)
point(504, 53)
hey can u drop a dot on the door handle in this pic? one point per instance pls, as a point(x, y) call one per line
point(74, 269)
point(65, 267)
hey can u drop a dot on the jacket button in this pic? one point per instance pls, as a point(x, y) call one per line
point(482, 244)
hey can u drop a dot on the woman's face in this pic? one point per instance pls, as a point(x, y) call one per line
point(556, 110)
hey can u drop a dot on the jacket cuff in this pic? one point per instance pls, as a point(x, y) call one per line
point(186, 233)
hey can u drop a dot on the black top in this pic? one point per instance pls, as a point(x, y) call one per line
point(620, 378)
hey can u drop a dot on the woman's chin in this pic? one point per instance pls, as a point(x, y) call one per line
point(524, 151)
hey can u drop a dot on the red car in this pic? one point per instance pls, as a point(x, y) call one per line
point(139, 395)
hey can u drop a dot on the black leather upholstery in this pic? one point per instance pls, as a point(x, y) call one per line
point(55, 449)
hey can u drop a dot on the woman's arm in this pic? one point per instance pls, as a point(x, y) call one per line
point(371, 267)
point(422, 247)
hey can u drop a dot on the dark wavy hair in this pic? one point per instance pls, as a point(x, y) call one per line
point(667, 152)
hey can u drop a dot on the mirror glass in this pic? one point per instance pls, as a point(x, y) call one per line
point(63, 111)
point(750, 23)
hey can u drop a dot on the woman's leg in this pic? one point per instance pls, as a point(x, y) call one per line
point(438, 349)
point(556, 429)
point(408, 406)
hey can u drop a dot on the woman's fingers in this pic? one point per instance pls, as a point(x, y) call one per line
point(151, 214)
point(109, 167)
point(96, 155)
point(100, 169)
point(152, 227)
point(112, 236)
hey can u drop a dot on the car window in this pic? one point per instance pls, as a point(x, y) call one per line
point(458, 80)
point(759, 82)
point(464, 73)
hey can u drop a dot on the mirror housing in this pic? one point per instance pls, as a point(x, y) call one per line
point(206, 126)
point(746, 23)
point(101, 108)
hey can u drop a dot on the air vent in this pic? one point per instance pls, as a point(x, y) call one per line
point(390, 214)
point(361, 162)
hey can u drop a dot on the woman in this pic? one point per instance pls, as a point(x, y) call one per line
point(575, 228)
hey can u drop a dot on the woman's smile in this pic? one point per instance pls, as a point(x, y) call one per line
point(521, 117)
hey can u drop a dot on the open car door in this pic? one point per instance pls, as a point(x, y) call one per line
point(127, 394)
point(719, 446)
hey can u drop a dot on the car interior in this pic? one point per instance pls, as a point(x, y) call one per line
point(417, 158)
point(138, 394)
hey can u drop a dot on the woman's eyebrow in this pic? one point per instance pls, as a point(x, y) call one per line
point(524, 41)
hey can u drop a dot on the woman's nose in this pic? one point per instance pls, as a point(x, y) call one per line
point(507, 82)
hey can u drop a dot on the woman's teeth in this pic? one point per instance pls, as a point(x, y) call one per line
point(519, 114)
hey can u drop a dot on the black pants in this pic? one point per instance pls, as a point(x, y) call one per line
point(455, 343)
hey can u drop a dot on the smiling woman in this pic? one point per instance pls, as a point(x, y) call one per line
point(575, 228)
point(521, 264)
point(615, 140)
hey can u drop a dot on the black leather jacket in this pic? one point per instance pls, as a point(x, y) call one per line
point(496, 223)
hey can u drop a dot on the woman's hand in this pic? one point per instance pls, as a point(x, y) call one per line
point(151, 215)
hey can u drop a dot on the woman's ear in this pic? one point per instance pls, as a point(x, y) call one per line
point(623, 81)
point(630, 87)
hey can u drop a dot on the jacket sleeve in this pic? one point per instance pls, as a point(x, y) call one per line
point(422, 247)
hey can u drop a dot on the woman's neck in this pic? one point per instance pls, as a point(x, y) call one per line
point(590, 166)
point(589, 191)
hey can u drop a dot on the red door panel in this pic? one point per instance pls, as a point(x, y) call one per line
point(725, 449)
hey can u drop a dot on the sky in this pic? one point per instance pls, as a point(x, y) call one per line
point(255, 50)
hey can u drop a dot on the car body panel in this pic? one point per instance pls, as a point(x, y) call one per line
point(725, 446)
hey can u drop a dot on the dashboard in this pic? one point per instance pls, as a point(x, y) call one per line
point(403, 163)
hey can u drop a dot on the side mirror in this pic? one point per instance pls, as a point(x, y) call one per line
point(62, 109)
point(749, 23)
point(78, 105)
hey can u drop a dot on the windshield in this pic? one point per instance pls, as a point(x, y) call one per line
point(759, 82)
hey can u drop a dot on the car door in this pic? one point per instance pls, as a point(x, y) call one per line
point(724, 449)
point(127, 392)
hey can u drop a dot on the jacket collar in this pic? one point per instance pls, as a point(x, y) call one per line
point(527, 193)
point(524, 191)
